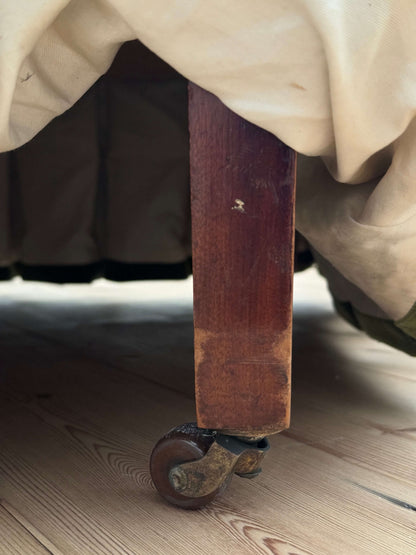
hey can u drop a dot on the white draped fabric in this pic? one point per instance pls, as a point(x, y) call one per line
point(331, 78)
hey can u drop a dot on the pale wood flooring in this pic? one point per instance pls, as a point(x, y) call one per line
point(92, 376)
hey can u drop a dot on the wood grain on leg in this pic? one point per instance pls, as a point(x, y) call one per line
point(242, 182)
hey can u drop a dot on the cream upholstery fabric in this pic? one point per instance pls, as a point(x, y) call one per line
point(332, 78)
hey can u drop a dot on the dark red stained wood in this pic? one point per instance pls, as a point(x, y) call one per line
point(242, 181)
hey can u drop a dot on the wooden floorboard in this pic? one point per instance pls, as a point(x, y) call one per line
point(16, 537)
point(92, 376)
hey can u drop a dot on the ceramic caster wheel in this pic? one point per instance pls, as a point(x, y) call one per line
point(181, 445)
point(191, 466)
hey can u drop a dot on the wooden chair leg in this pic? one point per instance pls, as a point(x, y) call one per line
point(242, 195)
point(243, 187)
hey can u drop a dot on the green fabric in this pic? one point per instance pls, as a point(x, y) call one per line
point(408, 322)
point(401, 334)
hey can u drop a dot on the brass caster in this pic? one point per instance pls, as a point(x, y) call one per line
point(191, 466)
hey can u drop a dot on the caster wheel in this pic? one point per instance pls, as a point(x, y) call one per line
point(181, 445)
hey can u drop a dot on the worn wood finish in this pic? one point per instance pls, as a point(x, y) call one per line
point(242, 182)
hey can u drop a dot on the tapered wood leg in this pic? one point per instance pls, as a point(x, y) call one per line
point(242, 183)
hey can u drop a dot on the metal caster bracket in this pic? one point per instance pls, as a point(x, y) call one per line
point(226, 455)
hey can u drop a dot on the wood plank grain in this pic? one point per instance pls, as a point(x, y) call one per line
point(15, 539)
point(242, 183)
point(77, 425)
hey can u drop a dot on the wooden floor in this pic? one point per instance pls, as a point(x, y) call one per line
point(92, 376)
